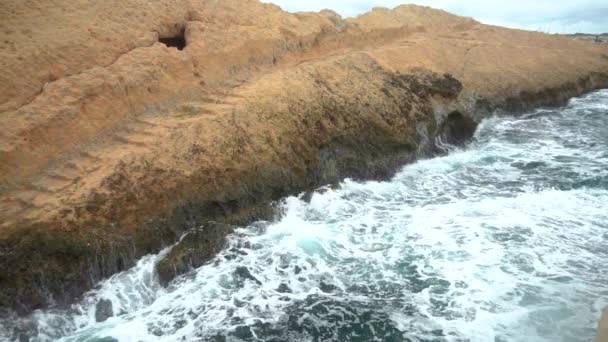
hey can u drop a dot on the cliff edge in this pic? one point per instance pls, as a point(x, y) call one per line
point(127, 123)
point(602, 329)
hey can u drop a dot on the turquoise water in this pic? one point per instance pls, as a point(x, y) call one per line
point(506, 240)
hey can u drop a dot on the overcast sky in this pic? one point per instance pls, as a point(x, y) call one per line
point(553, 16)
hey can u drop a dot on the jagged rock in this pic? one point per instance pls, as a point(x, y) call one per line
point(194, 249)
point(115, 142)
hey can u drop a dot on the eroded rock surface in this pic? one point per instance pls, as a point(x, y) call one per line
point(114, 144)
point(602, 329)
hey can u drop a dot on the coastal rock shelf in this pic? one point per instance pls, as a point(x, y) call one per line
point(133, 123)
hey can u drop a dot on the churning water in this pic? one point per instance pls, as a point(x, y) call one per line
point(506, 240)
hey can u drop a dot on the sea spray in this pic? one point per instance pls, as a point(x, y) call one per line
point(506, 240)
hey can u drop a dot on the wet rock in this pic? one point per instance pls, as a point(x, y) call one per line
point(239, 303)
point(25, 331)
point(180, 324)
point(243, 272)
point(284, 288)
point(243, 332)
point(103, 310)
point(156, 331)
point(216, 338)
point(326, 287)
point(458, 129)
point(196, 248)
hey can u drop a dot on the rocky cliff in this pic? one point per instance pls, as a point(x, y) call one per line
point(602, 330)
point(127, 123)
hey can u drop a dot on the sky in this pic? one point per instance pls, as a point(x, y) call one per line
point(556, 16)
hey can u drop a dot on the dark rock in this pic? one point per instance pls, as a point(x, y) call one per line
point(25, 331)
point(51, 259)
point(283, 288)
point(103, 310)
point(196, 248)
point(458, 129)
point(243, 332)
point(424, 82)
point(243, 272)
point(239, 303)
point(327, 288)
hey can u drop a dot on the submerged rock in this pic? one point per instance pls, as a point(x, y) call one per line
point(284, 288)
point(327, 287)
point(103, 310)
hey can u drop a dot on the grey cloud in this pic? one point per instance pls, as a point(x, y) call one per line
point(553, 16)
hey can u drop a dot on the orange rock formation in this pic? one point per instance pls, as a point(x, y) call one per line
point(113, 144)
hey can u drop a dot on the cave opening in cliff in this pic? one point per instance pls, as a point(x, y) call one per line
point(178, 41)
point(458, 129)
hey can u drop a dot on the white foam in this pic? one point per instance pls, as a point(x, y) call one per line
point(485, 244)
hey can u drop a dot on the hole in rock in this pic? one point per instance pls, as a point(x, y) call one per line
point(178, 41)
point(458, 129)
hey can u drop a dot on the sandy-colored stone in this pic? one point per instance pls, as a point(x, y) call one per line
point(602, 330)
point(113, 144)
